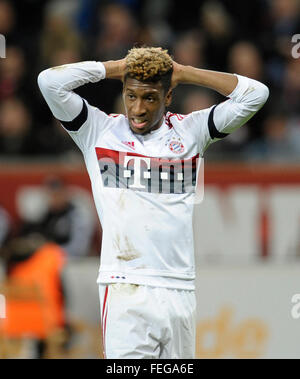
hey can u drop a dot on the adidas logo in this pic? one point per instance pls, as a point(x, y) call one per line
point(129, 144)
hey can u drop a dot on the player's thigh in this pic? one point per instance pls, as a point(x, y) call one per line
point(182, 318)
point(131, 328)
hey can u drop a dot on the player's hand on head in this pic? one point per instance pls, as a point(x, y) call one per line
point(176, 77)
point(115, 69)
point(122, 67)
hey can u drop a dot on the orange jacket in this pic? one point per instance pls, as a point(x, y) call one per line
point(37, 308)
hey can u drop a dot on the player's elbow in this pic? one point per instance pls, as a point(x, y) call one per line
point(47, 82)
point(264, 93)
point(259, 96)
point(43, 80)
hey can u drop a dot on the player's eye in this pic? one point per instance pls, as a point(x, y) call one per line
point(150, 99)
point(131, 96)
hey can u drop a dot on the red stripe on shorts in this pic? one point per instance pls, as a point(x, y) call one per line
point(104, 322)
point(105, 334)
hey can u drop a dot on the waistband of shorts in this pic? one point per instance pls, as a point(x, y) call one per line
point(106, 277)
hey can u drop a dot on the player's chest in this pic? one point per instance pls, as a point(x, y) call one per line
point(170, 145)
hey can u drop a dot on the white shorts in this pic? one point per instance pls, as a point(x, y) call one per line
point(147, 322)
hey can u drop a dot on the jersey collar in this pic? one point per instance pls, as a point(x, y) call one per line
point(155, 134)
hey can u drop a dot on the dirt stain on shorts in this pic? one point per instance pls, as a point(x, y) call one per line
point(127, 288)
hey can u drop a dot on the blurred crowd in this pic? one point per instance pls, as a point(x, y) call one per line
point(251, 38)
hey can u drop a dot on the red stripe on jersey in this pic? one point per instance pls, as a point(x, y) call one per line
point(115, 155)
point(114, 115)
point(168, 121)
point(118, 158)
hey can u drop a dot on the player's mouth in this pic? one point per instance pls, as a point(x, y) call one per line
point(138, 123)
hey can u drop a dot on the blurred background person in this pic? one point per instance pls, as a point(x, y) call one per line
point(155, 30)
point(187, 50)
point(5, 226)
point(291, 87)
point(33, 287)
point(13, 74)
point(280, 142)
point(16, 137)
point(244, 58)
point(7, 20)
point(64, 222)
point(218, 28)
point(59, 35)
point(117, 32)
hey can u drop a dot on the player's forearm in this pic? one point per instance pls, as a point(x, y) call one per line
point(245, 100)
point(57, 85)
point(115, 69)
point(221, 82)
point(71, 76)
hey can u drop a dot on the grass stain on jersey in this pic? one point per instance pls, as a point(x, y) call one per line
point(121, 201)
point(126, 253)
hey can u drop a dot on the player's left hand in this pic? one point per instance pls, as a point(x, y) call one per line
point(176, 77)
point(115, 69)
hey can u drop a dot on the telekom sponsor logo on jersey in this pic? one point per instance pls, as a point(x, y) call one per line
point(153, 175)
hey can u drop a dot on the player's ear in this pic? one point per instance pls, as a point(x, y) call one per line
point(168, 98)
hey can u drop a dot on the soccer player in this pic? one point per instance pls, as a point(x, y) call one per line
point(143, 194)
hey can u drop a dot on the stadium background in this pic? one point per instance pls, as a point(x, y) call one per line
point(247, 229)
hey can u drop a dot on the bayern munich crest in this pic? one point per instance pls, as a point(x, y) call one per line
point(177, 147)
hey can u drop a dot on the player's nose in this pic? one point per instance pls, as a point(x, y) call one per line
point(138, 109)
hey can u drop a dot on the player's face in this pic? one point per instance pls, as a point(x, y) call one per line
point(145, 105)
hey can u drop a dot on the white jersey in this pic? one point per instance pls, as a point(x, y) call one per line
point(145, 216)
